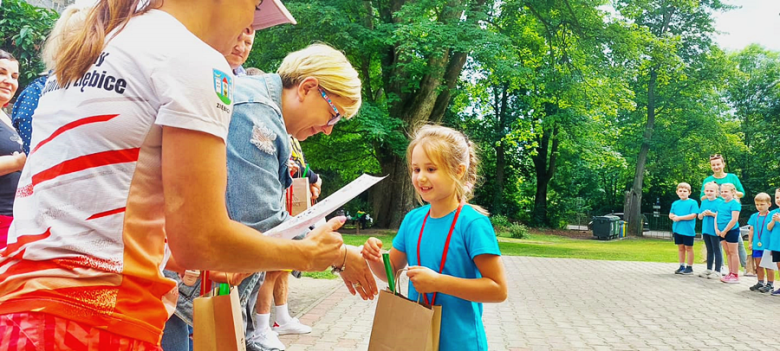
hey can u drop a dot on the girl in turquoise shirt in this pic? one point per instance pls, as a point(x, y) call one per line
point(443, 170)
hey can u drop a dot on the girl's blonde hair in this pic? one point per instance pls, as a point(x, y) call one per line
point(731, 187)
point(71, 21)
point(78, 52)
point(331, 68)
point(448, 149)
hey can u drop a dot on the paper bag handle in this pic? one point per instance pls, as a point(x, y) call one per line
point(398, 286)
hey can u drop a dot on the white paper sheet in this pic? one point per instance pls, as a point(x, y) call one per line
point(300, 223)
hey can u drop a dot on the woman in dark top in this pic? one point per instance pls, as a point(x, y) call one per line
point(12, 157)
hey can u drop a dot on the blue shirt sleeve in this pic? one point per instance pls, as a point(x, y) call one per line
point(481, 238)
point(694, 207)
point(735, 206)
point(752, 220)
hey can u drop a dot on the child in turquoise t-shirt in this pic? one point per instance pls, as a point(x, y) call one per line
point(759, 237)
point(683, 215)
point(727, 229)
point(709, 205)
point(774, 235)
point(443, 170)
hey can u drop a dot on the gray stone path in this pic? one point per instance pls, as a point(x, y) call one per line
point(570, 304)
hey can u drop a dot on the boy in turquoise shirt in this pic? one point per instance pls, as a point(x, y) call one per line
point(774, 235)
point(759, 237)
point(683, 213)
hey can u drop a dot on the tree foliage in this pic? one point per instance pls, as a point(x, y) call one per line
point(23, 29)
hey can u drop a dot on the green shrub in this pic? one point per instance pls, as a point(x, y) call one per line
point(500, 223)
point(518, 231)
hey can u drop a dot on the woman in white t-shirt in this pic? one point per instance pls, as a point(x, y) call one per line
point(128, 154)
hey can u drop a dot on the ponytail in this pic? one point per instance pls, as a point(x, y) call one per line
point(81, 50)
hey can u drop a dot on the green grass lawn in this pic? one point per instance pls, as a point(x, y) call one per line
point(547, 245)
point(629, 249)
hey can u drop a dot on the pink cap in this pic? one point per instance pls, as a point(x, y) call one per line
point(271, 13)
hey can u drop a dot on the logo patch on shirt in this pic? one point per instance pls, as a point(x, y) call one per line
point(263, 138)
point(223, 86)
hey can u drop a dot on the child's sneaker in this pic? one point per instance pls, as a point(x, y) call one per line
point(688, 270)
point(680, 270)
point(766, 288)
point(756, 287)
point(776, 292)
point(705, 274)
point(715, 275)
point(731, 279)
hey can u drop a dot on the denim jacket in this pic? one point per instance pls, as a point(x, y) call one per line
point(258, 148)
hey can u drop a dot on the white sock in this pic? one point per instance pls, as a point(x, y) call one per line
point(282, 314)
point(262, 322)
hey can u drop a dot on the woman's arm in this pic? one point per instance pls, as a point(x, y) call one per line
point(490, 288)
point(200, 233)
point(12, 163)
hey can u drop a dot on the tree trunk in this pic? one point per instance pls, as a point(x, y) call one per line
point(500, 98)
point(393, 197)
point(544, 165)
point(634, 214)
point(499, 185)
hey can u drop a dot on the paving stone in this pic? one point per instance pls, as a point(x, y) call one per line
point(620, 306)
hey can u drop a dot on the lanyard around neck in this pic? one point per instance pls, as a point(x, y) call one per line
point(762, 225)
point(446, 247)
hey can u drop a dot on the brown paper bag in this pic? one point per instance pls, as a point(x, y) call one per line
point(402, 324)
point(300, 192)
point(217, 323)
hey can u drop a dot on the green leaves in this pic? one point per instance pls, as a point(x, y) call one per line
point(23, 29)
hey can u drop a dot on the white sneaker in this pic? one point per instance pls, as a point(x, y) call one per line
point(715, 275)
point(267, 339)
point(294, 326)
point(705, 274)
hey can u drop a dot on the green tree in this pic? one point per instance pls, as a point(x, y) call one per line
point(23, 29)
point(676, 34)
point(754, 95)
point(410, 55)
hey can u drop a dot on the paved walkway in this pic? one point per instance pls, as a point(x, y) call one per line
point(570, 304)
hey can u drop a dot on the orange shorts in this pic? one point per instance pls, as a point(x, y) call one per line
point(29, 331)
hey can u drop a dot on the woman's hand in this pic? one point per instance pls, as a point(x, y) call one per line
point(357, 276)
point(372, 250)
point(233, 279)
point(423, 278)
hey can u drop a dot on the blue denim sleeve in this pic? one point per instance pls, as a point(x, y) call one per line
point(254, 189)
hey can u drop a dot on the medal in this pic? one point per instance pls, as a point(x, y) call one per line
point(761, 229)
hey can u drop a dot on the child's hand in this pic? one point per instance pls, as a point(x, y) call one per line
point(423, 278)
point(776, 217)
point(372, 250)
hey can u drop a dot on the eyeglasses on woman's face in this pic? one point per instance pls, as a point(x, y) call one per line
point(335, 119)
